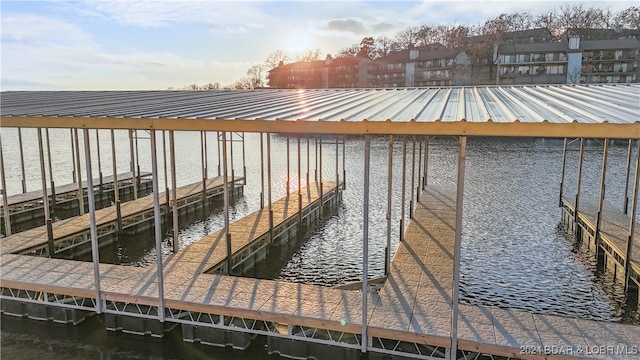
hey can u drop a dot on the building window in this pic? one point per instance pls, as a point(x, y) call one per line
point(555, 69)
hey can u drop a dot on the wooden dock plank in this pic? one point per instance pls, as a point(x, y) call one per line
point(36, 195)
point(38, 236)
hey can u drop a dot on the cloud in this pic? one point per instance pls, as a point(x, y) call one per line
point(358, 26)
point(35, 28)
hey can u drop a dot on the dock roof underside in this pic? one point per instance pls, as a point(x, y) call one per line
point(611, 111)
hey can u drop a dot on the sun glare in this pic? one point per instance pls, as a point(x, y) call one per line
point(297, 43)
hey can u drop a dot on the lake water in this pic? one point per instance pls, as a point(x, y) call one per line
point(513, 253)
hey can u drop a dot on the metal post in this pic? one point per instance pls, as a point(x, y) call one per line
point(602, 188)
point(387, 251)
point(24, 178)
point(157, 225)
point(174, 192)
point(365, 243)
point(166, 178)
point(95, 254)
point(337, 169)
point(45, 196)
point(321, 190)
point(404, 178)
point(203, 168)
point(632, 224)
point(288, 168)
point(261, 172)
point(53, 184)
point(244, 162)
point(308, 163)
point(269, 186)
point(419, 171)
point(456, 248)
point(137, 178)
point(316, 155)
point(626, 183)
point(132, 165)
point(99, 161)
point(80, 187)
point(299, 184)
point(576, 225)
point(219, 151)
point(413, 177)
point(344, 168)
point(116, 190)
point(225, 181)
point(564, 162)
point(73, 156)
point(5, 198)
point(426, 163)
point(233, 169)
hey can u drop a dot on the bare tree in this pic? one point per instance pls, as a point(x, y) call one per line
point(405, 38)
point(574, 74)
point(309, 55)
point(628, 18)
point(351, 51)
point(367, 47)
point(275, 58)
point(256, 75)
point(211, 86)
point(383, 46)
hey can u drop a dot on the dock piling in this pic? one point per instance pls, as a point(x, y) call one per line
point(45, 196)
point(174, 192)
point(576, 217)
point(462, 152)
point(269, 186)
point(632, 223)
point(5, 197)
point(626, 183)
point(404, 182)
point(157, 225)
point(95, 254)
point(53, 184)
point(602, 188)
point(564, 163)
point(387, 250)
point(225, 188)
point(365, 243)
point(78, 167)
point(261, 171)
point(413, 178)
point(24, 178)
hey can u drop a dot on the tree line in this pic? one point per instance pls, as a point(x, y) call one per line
point(477, 40)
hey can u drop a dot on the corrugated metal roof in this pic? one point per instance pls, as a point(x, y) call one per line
point(617, 104)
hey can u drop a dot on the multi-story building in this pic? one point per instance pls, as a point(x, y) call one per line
point(572, 62)
point(523, 57)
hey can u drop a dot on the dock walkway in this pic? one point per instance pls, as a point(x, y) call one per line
point(413, 308)
point(614, 233)
point(72, 229)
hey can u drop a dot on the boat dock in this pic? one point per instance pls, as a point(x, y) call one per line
point(130, 216)
point(411, 315)
point(26, 209)
point(611, 243)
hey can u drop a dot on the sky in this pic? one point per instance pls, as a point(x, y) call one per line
point(155, 45)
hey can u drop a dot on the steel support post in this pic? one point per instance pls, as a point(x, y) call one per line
point(603, 178)
point(288, 168)
point(157, 225)
point(116, 191)
point(53, 183)
point(99, 161)
point(316, 155)
point(5, 197)
point(244, 162)
point(413, 178)
point(457, 246)
point(24, 178)
point(45, 196)
point(225, 186)
point(174, 192)
point(233, 169)
point(308, 164)
point(576, 217)
point(404, 182)
point(132, 165)
point(632, 223)
point(219, 152)
point(344, 161)
point(166, 177)
point(269, 187)
point(203, 169)
point(337, 169)
point(564, 163)
point(261, 172)
point(80, 187)
point(387, 251)
point(137, 177)
point(73, 156)
point(365, 243)
point(321, 189)
point(299, 184)
point(626, 183)
point(426, 163)
point(419, 171)
point(95, 254)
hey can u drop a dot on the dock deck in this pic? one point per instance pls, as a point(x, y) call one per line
point(68, 230)
point(414, 306)
point(64, 190)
